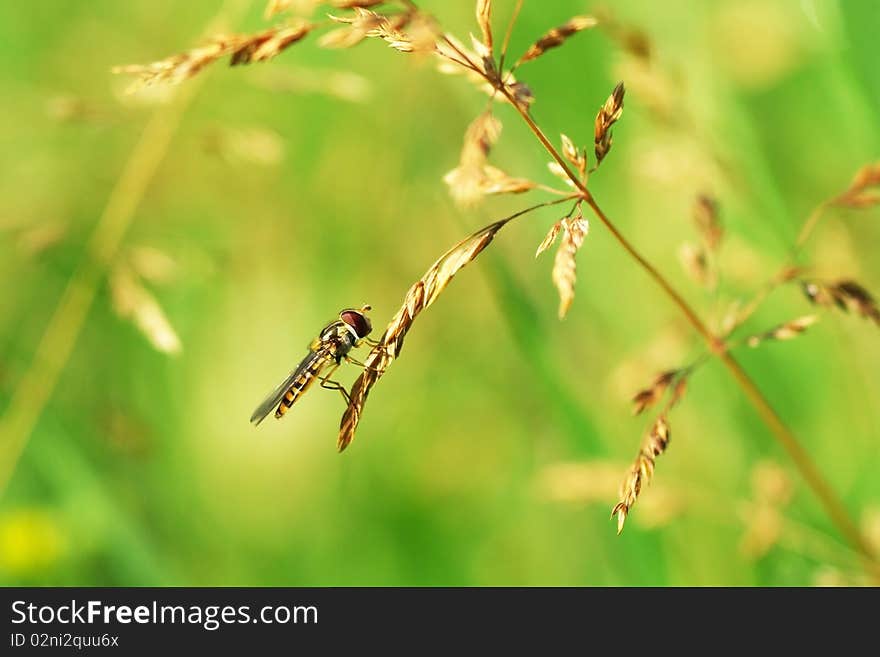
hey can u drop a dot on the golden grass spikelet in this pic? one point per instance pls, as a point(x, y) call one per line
point(474, 178)
point(846, 295)
point(861, 192)
point(496, 181)
point(180, 67)
point(465, 182)
point(576, 157)
point(557, 170)
point(557, 36)
point(269, 44)
point(421, 295)
point(484, 20)
point(608, 115)
point(574, 230)
point(358, 26)
point(549, 239)
point(649, 396)
point(365, 23)
point(132, 301)
point(242, 49)
point(786, 331)
point(275, 7)
point(642, 469)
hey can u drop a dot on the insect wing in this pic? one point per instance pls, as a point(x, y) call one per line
point(274, 398)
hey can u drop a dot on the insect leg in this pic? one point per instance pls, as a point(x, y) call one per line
point(329, 384)
point(355, 361)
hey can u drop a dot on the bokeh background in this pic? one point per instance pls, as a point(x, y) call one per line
point(492, 451)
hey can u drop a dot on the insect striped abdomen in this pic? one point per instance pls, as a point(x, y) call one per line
point(305, 379)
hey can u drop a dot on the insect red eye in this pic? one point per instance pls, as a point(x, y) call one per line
point(358, 321)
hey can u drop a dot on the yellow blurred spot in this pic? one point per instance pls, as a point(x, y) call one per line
point(763, 529)
point(30, 541)
point(830, 577)
point(771, 483)
point(758, 41)
point(871, 526)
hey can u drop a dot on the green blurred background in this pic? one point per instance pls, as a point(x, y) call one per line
point(492, 451)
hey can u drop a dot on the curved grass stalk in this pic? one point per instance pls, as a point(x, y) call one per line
point(812, 475)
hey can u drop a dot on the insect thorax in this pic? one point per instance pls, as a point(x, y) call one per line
point(337, 339)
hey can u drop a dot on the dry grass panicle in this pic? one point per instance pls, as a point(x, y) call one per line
point(785, 331)
point(241, 49)
point(649, 396)
point(474, 178)
point(608, 115)
point(484, 20)
point(846, 295)
point(405, 28)
point(574, 231)
point(574, 228)
point(642, 469)
point(557, 36)
point(575, 156)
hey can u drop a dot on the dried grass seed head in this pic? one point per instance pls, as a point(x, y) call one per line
point(642, 469)
point(861, 192)
point(484, 20)
point(846, 295)
point(242, 49)
point(608, 115)
point(474, 178)
point(557, 36)
point(649, 396)
point(574, 229)
point(787, 331)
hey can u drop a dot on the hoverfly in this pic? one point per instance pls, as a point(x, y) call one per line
point(330, 348)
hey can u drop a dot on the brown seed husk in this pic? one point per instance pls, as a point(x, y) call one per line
point(608, 115)
point(242, 49)
point(844, 294)
point(557, 36)
point(787, 331)
point(642, 469)
point(574, 230)
point(484, 20)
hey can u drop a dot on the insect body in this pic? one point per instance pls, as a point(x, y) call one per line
point(327, 350)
